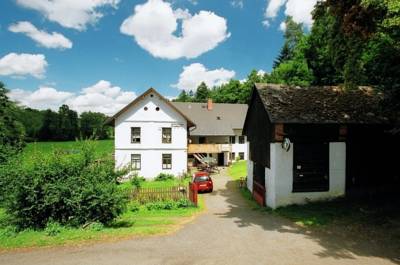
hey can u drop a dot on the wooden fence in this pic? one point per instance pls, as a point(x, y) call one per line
point(144, 195)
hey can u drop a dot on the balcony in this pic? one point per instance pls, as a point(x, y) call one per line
point(209, 148)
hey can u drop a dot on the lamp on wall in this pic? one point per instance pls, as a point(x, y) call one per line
point(286, 144)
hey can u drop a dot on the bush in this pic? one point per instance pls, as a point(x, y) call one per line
point(168, 205)
point(136, 181)
point(134, 206)
point(96, 226)
point(164, 176)
point(70, 189)
point(53, 228)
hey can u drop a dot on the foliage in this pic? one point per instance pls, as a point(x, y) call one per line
point(202, 93)
point(293, 34)
point(167, 205)
point(68, 188)
point(53, 228)
point(136, 181)
point(12, 132)
point(92, 125)
point(164, 177)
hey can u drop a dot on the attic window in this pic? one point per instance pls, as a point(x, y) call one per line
point(151, 95)
point(158, 108)
point(218, 118)
point(146, 108)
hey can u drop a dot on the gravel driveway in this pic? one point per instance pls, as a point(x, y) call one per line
point(229, 232)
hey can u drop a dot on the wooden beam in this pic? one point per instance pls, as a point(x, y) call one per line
point(279, 132)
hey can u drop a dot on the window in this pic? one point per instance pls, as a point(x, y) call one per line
point(241, 155)
point(166, 161)
point(166, 135)
point(135, 161)
point(233, 156)
point(232, 139)
point(241, 139)
point(135, 135)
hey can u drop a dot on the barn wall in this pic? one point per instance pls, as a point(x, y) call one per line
point(258, 131)
point(279, 178)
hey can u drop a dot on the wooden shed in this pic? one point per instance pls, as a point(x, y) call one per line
point(316, 143)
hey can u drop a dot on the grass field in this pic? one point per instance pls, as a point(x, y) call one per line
point(131, 223)
point(238, 170)
point(103, 147)
point(128, 225)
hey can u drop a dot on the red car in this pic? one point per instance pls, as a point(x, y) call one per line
point(203, 181)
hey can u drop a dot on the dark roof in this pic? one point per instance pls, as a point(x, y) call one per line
point(142, 96)
point(329, 104)
point(221, 120)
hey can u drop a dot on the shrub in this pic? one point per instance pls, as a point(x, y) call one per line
point(168, 205)
point(136, 181)
point(164, 176)
point(96, 226)
point(134, 206)
point(53, 228)
point(70, 189)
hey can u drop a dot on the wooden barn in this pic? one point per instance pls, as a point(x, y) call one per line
point(318, 143)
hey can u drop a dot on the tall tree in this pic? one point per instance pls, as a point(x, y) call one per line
point(68, 123)
point(50, 128)
point(12, 132)
point(183, 97)
point(92, 125)
point(202, 93)
point(293, 34)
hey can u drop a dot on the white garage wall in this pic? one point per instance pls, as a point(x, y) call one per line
point(279, 179)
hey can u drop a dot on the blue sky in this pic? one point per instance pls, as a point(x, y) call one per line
point(90, 52)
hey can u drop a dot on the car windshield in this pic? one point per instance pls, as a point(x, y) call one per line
point(201, 178)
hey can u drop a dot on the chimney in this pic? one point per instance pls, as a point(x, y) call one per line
point(209, 104)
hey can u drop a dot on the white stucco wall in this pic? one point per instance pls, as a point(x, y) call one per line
point(250, 175)
point(152, 161)
point(279, 179)
point(151, 147)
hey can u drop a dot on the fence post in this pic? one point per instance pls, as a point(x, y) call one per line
point(193, 193)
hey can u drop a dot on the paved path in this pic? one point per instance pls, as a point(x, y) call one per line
point(228, 233)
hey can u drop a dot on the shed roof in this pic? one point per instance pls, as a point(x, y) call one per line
point(328, 104)
point(223, 119)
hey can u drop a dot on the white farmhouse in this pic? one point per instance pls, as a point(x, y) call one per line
point(154, 135)
point(151, 136)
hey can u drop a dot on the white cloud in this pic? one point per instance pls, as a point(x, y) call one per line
point(22, 64)
point(192, 76)
point(300, 10)
point(237, 3)
point(49, 40)
point(282, 26)
point(74, 14)
point(42, 98)
point(154, 26)
point(101, 97)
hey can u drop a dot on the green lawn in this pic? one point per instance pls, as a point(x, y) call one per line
point(238, 170)
point(103, 147)
point(129, 224)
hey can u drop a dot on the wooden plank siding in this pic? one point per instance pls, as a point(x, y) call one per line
point(259, 131)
